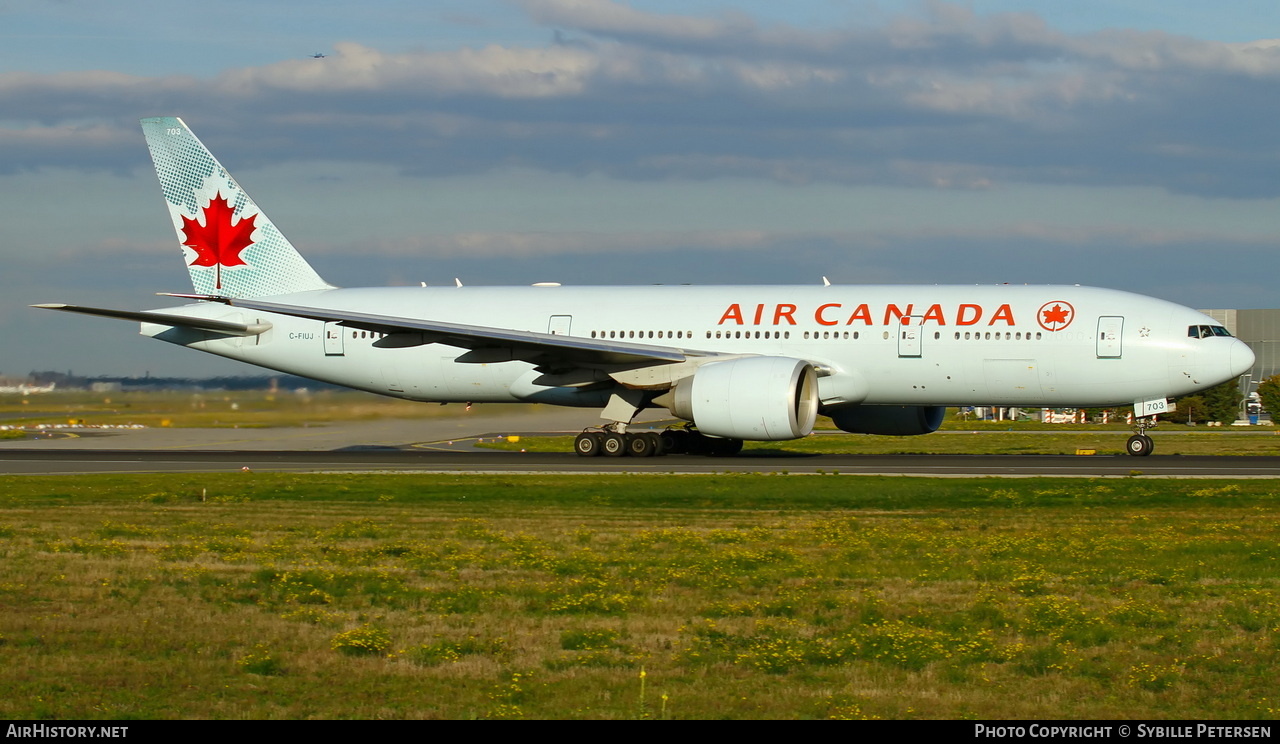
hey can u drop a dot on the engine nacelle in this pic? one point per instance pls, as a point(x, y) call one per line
point(760, 398)
point(897, 421)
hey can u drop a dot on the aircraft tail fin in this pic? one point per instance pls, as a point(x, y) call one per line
point(231, 248)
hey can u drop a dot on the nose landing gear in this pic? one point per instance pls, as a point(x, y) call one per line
point(1140, 445)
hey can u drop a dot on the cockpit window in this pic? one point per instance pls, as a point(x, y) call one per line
point(1205, 331)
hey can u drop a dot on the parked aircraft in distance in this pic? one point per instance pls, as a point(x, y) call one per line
point(23, 388)
point(737, 362)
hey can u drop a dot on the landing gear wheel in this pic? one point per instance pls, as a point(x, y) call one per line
point(724, 447)
point(613, 444)
point(587, 444)
point(640, 445)
point(1140, 445)
point(675, 441)
point(697, 444)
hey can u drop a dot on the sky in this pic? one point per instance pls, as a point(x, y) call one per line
point(1125, 143)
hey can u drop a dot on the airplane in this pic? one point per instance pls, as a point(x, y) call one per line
point(735, 362)
point(25, 389)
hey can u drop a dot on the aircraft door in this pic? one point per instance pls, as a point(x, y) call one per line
point(559, 325)
point(909, 336)
point(333, 339)
point(1110, 329)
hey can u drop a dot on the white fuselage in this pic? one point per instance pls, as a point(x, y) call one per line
point(1032, 346)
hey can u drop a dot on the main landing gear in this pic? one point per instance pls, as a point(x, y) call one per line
point(1140, 445)
point(612, 443)
point(616, 444)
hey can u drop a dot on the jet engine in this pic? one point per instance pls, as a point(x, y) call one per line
point(898, 421)
point(760, 398)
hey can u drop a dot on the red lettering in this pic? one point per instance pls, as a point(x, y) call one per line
point(1005, 313)
point(863, 313)
point(784, 311)
point(894, 311)
point(734, 313)
point(817, 315)
point(759, 312)
point(934, 313)
point(968, 314)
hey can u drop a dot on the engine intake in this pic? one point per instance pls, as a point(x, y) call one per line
point(760, 398)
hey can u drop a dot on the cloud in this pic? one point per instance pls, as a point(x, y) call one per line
point(493, 71)
point(943, 99)
point(1024, 237)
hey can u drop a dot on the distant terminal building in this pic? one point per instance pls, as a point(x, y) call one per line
point(1260, 329)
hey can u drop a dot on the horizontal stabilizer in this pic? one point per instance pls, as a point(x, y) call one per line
point(201, 297)
point(179, 321)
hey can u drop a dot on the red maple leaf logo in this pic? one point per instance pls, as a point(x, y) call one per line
point(218, 242)
point(1054, 316)
point(1057, 315)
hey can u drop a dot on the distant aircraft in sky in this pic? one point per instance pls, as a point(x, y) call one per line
point(318, 55)
point(737, 362)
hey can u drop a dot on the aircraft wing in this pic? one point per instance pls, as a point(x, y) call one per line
point(537, 348)
point(181, 321)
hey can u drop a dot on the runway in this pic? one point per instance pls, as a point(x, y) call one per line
point(47, 462)
point(443, 445)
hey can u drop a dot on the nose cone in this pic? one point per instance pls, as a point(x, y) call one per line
point(1242, 358)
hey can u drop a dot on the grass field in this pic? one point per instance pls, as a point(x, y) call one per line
point(735, 596)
